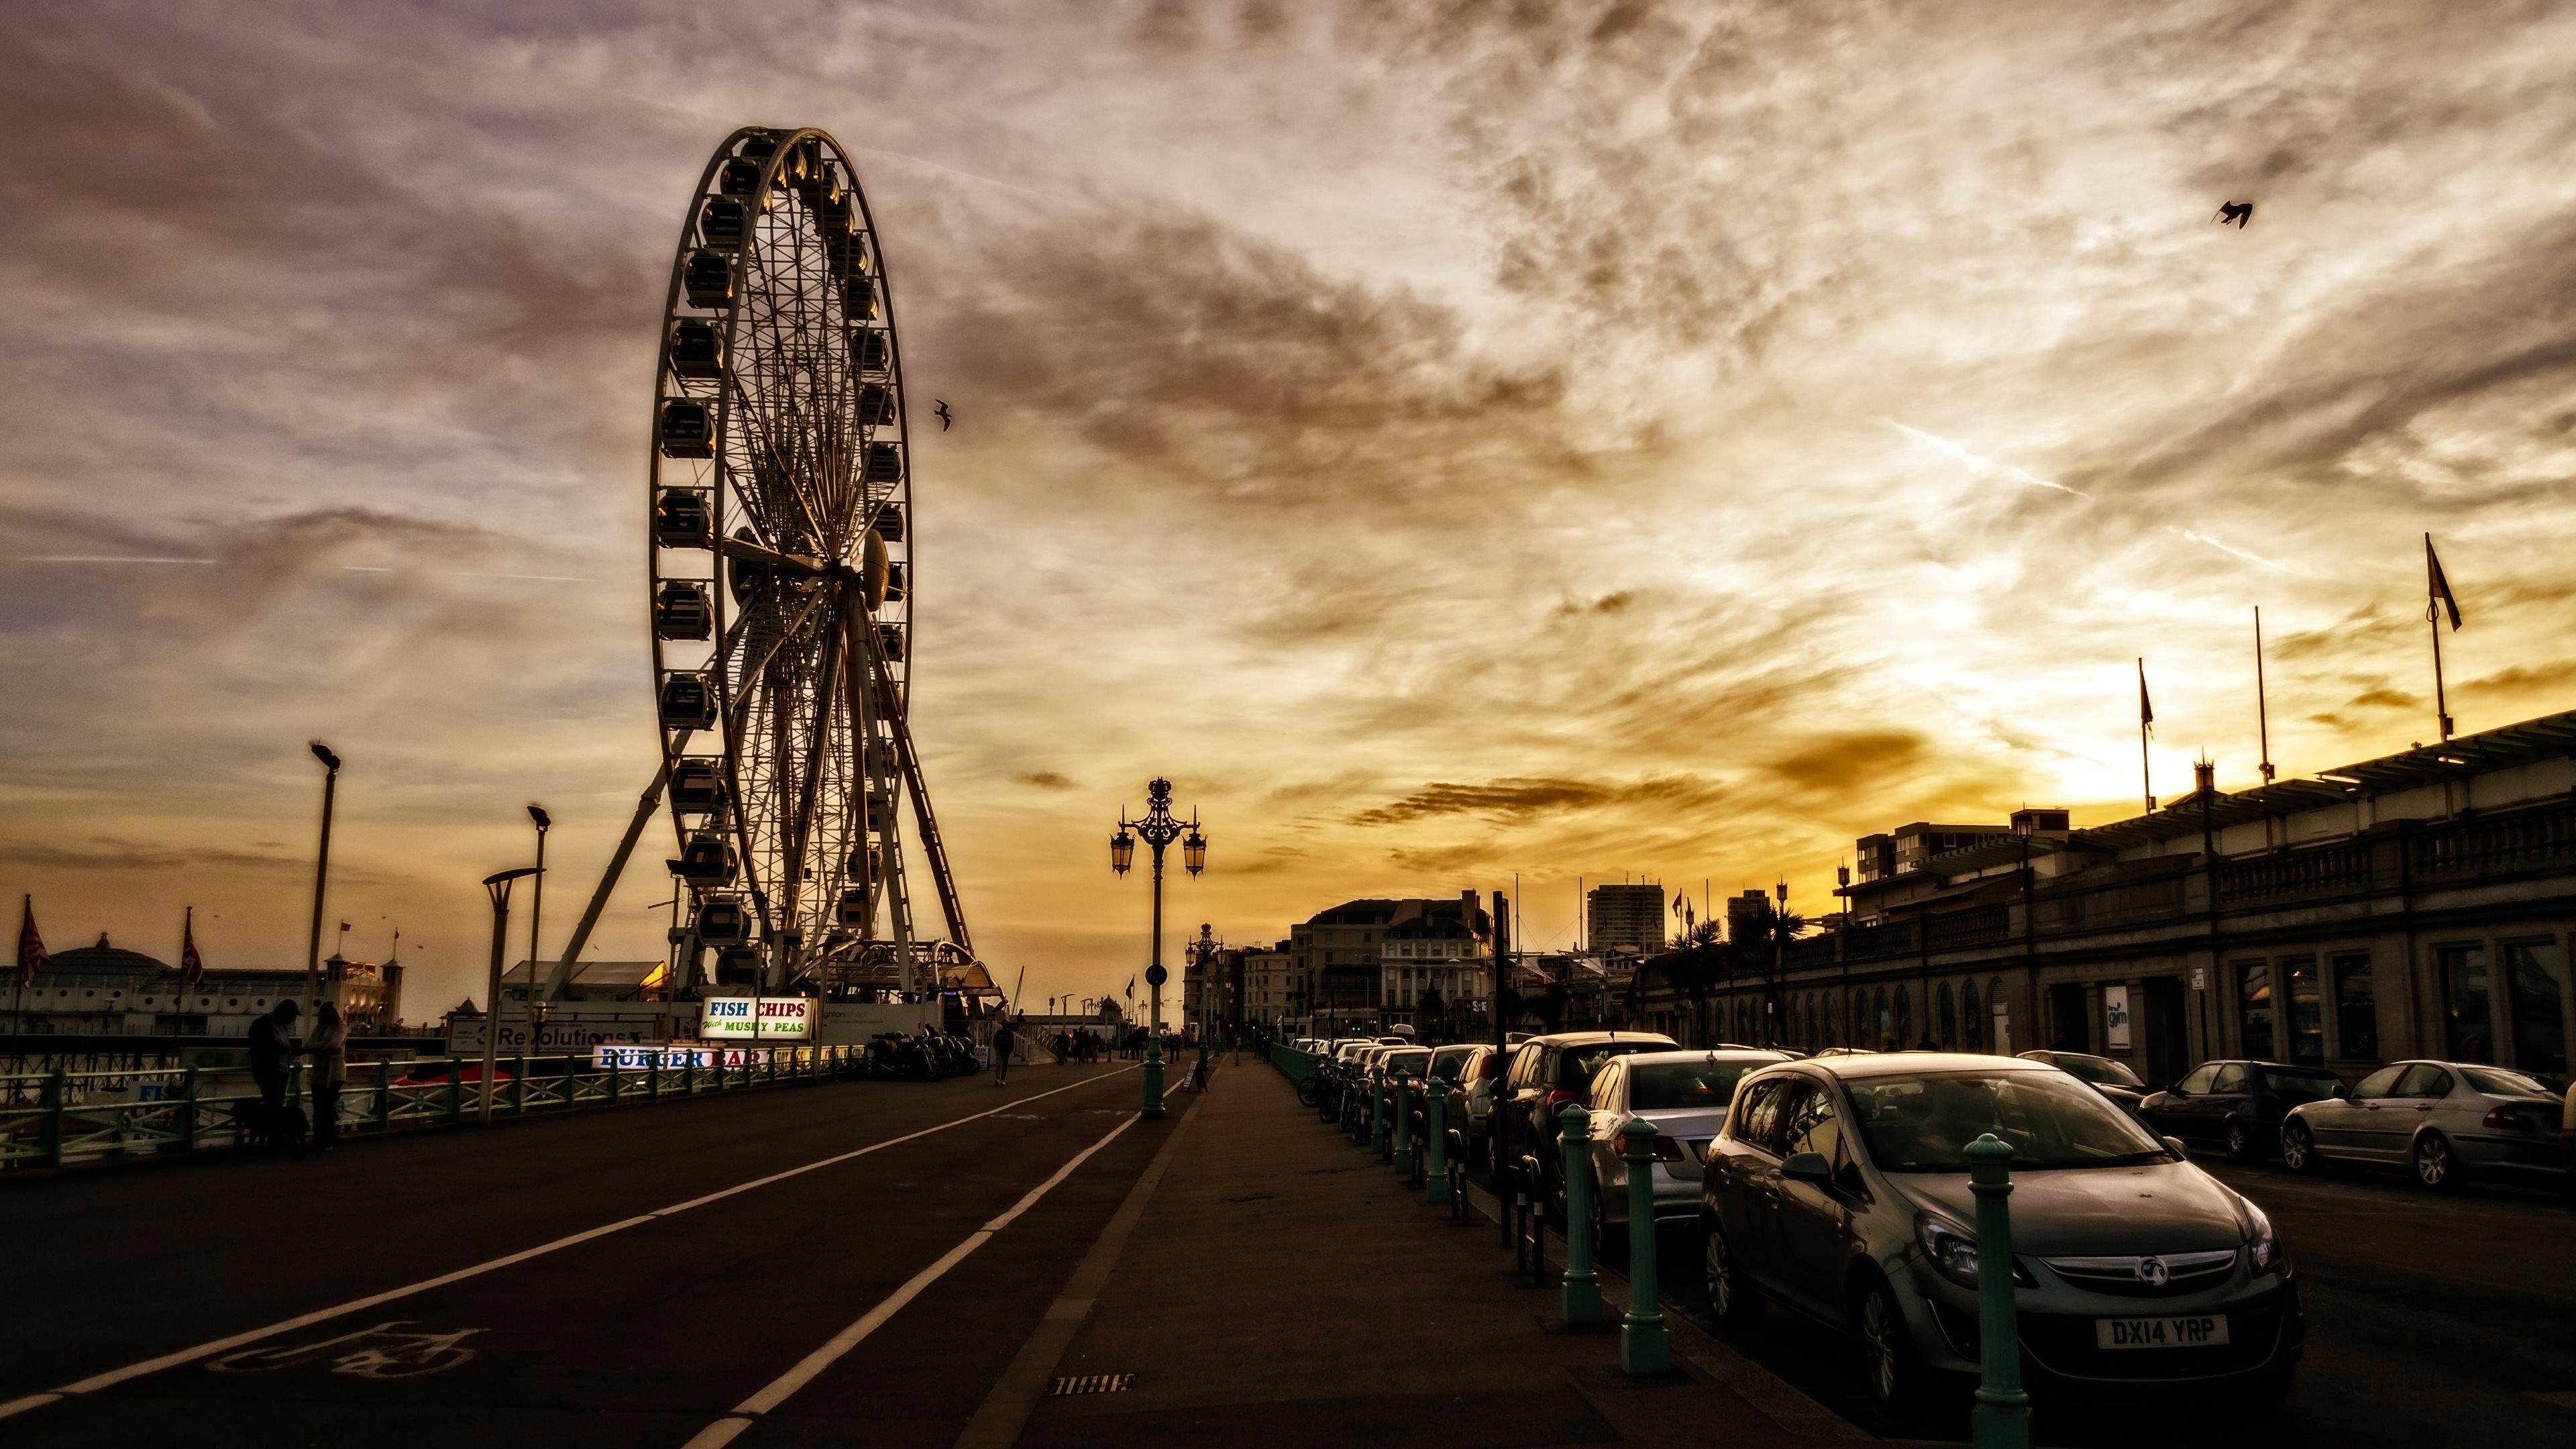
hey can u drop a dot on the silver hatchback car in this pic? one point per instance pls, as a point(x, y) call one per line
point(1684, 1097)
point(1840, 1188)
point(2448, 1121)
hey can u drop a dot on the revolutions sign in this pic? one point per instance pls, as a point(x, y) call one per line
point(757, 1018)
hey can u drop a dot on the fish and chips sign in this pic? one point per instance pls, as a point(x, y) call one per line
point(757, 1018)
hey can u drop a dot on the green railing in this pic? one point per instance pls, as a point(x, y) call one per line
point(53, 1119)
point(1298, 1065)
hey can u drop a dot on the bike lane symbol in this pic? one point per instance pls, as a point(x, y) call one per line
point(381, 1352)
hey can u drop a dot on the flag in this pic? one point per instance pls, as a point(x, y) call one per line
point(2437, 588)
point(1131, 988)
point(2146, 707)
point(1677, 905)
point(192, 967)
point(31, 947)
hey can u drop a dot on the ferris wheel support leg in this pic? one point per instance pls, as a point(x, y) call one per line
point(644, 808)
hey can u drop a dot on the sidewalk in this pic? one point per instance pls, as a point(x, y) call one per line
point(1282, 1287)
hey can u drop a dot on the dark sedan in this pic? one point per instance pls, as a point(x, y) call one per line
point(2237, 1105)
point(2110, 1078)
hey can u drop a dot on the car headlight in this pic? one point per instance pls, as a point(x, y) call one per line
point(1950, 1250)
point(2262, 1245)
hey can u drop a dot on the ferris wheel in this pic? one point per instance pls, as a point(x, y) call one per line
point(781, 575)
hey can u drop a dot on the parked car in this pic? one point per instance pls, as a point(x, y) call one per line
point(1550, 1073)
point(2236, 1105)
point(2110, 1078)
point(1469, 1110)
point(1839, 1188)
point(1684, 1096)
point(2448, 1121)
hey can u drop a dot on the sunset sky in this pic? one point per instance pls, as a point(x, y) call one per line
point(1448, 440)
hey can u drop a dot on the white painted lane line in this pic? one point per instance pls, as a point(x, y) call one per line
point(113, 1377)
point(779, 1390)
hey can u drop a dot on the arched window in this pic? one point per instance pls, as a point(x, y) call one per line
point(1946, 1018)
point(1860, 1018)
point(1973, 1018)
point(1904, 1019)
point(1743, 1020)
point(2000, 1009)
point(1878, 1014)
point(1811, 1041)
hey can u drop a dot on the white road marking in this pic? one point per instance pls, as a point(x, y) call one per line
point(209, 1349)
point(784, 1387)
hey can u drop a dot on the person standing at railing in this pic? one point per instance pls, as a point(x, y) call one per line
point(328, 1045)
point(271, 1043)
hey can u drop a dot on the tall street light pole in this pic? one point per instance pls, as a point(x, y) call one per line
point(498, 888)
point(536, 915)
point(321, 875)
point(1159, 828)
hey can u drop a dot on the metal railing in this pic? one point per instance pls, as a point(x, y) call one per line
point(58, 1118)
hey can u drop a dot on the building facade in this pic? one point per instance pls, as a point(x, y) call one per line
point(1624, 918)
point(2421, 904)
point(1389, 960)
point(105, 990)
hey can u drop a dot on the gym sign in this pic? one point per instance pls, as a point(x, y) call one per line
point(757, 1018)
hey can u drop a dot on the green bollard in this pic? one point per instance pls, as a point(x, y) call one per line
point(1437, 1189)
point(519, 1085)
point(1403, 1128)
point(1153, 1076)
point(1644, 1347)
point(2001, 1419)
point(456, 1089)
point(1582, 1293)
point(1377, 1107)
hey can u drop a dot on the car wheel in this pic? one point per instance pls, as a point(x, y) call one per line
point(2437, 1166)
point(1731, 1300)
point(2299, 1149)
point(2240, 1142)
point(1887, 1356)
point(1608, 1243)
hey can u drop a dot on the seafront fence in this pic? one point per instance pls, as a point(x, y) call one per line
point(57, 1119)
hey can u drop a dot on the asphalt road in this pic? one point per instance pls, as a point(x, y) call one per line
point(645, 1334)
point(2431, 1320)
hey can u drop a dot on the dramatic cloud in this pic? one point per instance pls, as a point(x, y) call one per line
point(1450, 441)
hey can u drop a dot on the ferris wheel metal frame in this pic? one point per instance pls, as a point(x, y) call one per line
point(780, 587)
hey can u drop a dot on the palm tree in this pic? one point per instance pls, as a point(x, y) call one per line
point(1761, 950)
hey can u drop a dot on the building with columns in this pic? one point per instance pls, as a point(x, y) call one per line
point(2418, 904)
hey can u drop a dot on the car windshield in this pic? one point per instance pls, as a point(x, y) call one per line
point(1576, 1068)
point(2497, 1082)
point(1449, 1064)
point(2100, 1071)
point(2302, 1086)
point(1410, 1060)
point(1671, 1086)
point(1924, 1123)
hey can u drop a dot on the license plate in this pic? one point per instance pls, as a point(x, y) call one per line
point(2193, 1331)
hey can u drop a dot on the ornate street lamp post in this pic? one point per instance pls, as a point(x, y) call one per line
point(1159, 829)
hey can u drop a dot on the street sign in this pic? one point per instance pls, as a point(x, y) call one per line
point(1156, 975)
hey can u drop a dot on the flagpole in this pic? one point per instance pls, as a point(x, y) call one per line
point(2434, 587)
point(2146, 717)
point(2262, 706)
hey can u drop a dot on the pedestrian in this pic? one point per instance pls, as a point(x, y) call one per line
point(1005, 1041)
point(272, 1041)
point(328, 1045)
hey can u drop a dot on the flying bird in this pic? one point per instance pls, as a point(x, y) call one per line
point(944, 419)
point(2239, 212)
